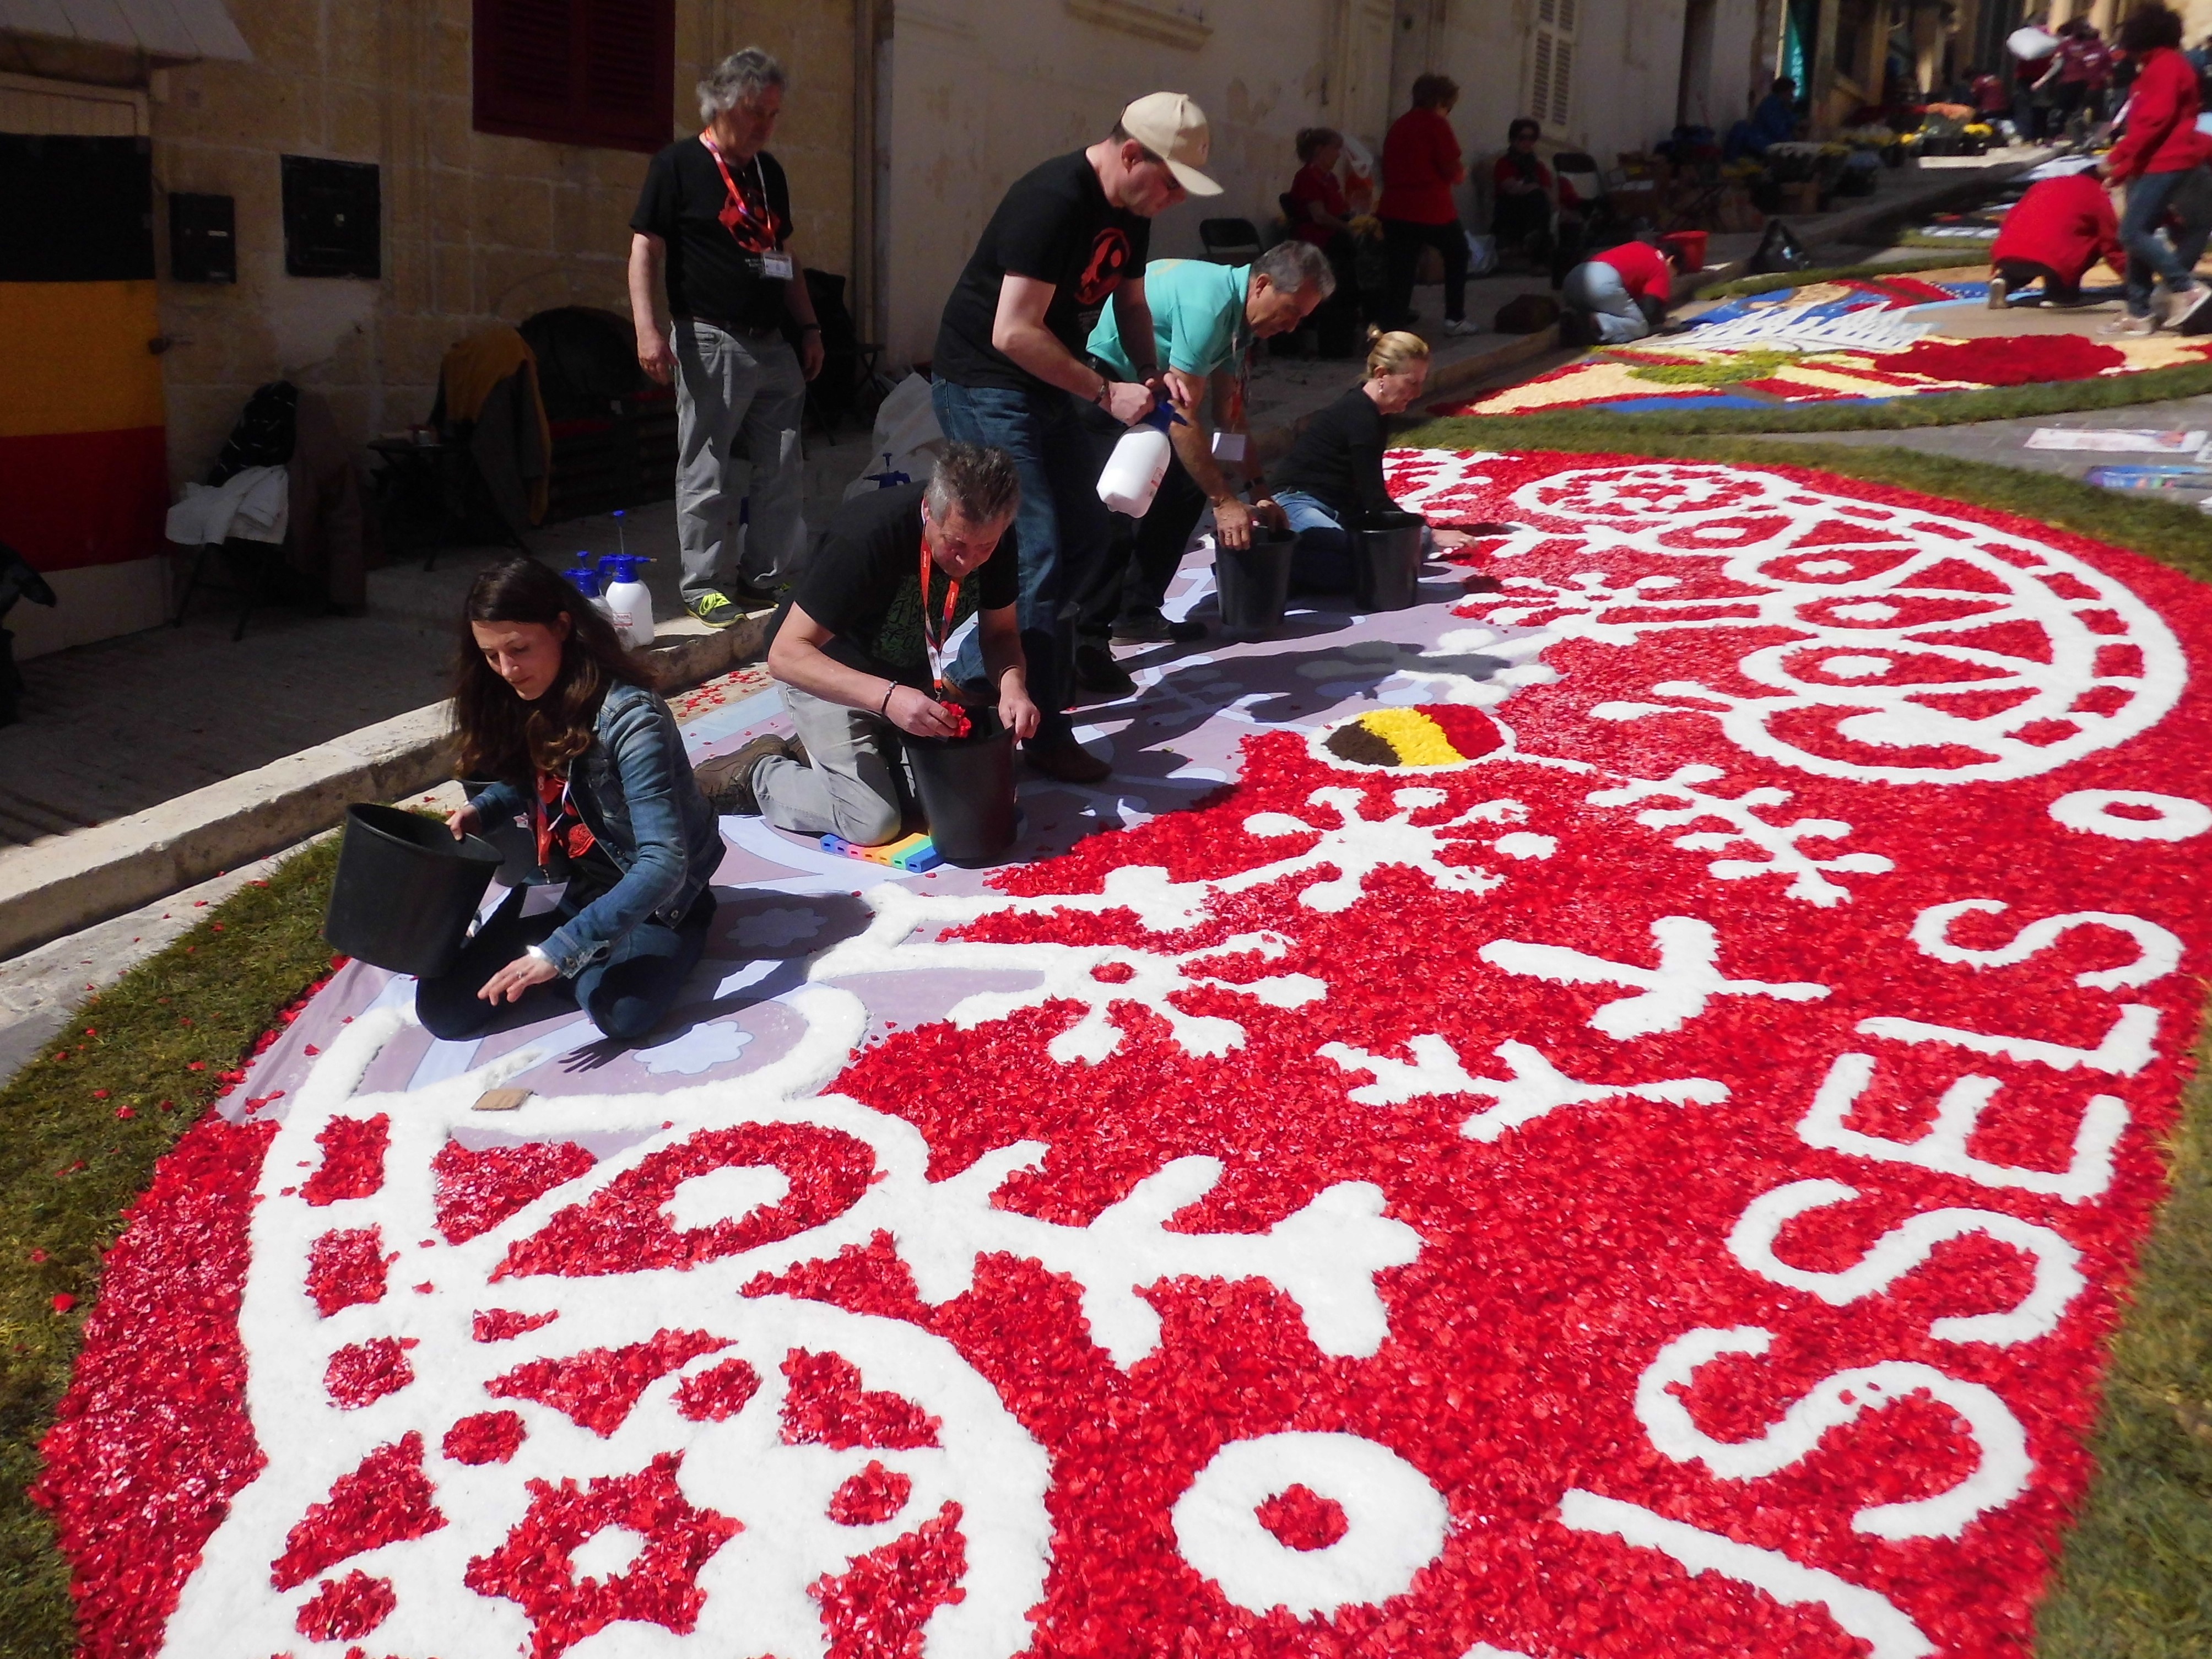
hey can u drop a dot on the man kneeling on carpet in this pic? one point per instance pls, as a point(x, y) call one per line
point(1617, 296)
point(551, 706)
point(2053, 234)
point(863, 648)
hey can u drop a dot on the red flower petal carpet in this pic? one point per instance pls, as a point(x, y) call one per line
point(1629, 1142)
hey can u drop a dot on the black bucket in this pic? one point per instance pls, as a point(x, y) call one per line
point(406, 891)
point(1254, 582)
point(517, 846)
point(1386, 560)
point(967, 790)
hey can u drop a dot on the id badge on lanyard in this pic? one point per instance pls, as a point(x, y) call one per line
point(932, 637)
point(756, 238)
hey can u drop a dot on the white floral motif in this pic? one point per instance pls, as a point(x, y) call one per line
point(1102, 976)
point(1359, 845)
point(1532, 1087)
point(1098, 976)
point(1669, 996)
point(1779, 841)
point(1939, 640)
point(1323, 1258)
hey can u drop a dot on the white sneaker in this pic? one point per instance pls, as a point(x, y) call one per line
point(2130, 326)
point(1997, 293)
point(1458, 325)
point(2187, 308)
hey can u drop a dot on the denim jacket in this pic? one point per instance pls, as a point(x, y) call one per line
point(633, 789)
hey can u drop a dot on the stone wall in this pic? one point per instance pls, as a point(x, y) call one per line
point(478, 227)
point(985, 89)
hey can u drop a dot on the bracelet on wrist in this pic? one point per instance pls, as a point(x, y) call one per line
point(884, 709)
point(810, 328)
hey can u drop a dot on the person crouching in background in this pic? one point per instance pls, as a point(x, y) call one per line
point(1617, 296)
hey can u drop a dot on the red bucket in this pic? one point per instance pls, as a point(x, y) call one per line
point(1690, 244)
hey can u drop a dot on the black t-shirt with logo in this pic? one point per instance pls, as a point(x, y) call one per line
point(714, 268)
point(1055, 226)
point(864, 584)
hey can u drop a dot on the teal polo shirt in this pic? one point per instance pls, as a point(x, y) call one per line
point(1198, 314)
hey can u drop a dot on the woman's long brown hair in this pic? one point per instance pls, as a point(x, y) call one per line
point(501, 735)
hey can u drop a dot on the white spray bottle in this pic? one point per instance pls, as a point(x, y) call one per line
point(1137, 464)
point(629, 606)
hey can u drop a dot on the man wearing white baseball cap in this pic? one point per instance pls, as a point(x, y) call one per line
point(1070, 237)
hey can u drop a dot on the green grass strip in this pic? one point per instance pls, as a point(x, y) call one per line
point(2134, 1578)
point(1917, 239)
point(1976, 255)
point(69, 1165)
point(1587, 430)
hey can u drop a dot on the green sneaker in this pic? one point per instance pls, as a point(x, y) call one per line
point(714, 609)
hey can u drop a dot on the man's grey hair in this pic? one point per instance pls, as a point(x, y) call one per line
point(1296, 266)
point(740, 78)
point(977, 481)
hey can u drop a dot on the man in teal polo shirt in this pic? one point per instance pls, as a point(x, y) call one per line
point(1206, 317)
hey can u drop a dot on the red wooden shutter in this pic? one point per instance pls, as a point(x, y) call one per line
point(594, 72)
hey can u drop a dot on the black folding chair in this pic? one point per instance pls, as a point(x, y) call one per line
point(1230, 241)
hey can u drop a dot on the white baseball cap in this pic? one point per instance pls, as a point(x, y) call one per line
point(1173, 128)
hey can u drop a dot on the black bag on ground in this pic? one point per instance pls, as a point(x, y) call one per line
point(1779, 252)
point(1527, 313)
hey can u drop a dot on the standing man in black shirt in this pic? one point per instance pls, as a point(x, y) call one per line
point(861, 650)
point(1069, 236)
point(715, 217)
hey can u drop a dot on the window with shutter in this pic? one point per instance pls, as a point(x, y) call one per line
point(1551, 80)
point(600, 73)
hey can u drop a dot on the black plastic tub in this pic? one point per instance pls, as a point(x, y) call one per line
point(967, 790)
point(517, 846)
point(1254, 582)
point(406, 891)
point(1386, 560)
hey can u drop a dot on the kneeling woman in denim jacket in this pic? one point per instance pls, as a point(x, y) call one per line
point(551, 707)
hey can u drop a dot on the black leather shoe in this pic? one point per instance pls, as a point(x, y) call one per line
point(1063, 758)
point(1098, 677)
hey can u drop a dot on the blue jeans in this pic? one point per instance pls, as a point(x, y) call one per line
point(1320, 560)
point(2150, 256)
point(1065, 529)
point(625, 991)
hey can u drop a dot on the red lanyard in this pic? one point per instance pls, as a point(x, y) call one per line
point(932, 639)
point(543, 821)
point(737, 210)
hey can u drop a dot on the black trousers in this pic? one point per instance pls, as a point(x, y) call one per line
point(2022, 273)
point(1402, 242)
point(625, 993)
point(1131, 581)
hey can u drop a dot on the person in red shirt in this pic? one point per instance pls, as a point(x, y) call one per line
point(1523, 187)
point(1990, 98)
point(2159, 150)
point(1420, 164)
point(2053, 235)
point(1617, 296)
point(1319, 212)
point(2079, 70)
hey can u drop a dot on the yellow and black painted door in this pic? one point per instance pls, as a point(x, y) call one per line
point(83, 465)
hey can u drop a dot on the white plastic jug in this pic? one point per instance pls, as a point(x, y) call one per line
point(1137, 464)
point(629, 606)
